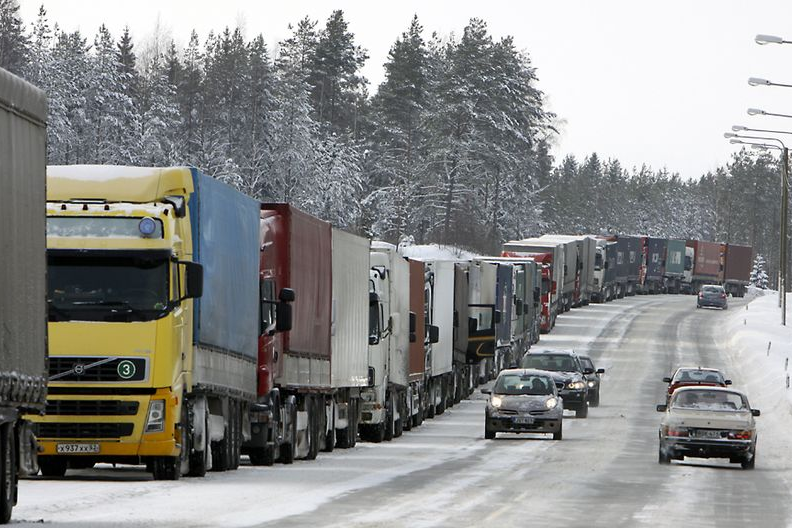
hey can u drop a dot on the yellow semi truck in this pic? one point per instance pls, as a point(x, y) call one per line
point(153, 324)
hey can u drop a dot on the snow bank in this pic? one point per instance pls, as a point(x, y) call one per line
point(759, 348)
point(435, 252)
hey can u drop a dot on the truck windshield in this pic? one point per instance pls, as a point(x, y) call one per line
point(688, 263)
point(108, 285)
point(598, 262)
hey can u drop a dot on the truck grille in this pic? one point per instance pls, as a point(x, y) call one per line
point(83, 430)
point(92, 407)
point(97, 369)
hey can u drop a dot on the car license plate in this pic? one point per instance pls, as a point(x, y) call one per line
point(77, 448)
point(705, 433)
point(524, 420)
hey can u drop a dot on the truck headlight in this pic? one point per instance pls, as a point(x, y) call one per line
point(155, 421)
point(496, 401)
point(577, 385)
point(551, 403)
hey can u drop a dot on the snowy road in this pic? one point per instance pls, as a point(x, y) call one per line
point(604, 472)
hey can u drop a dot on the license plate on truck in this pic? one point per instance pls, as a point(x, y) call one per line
point(77, 448)
point(525, 420)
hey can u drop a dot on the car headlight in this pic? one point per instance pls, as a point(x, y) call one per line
point(496, 401)
point(551, 402)
point(591, 384)
point(577, 385)
point(155, 421)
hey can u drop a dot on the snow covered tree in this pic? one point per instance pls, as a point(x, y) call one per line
point(758, 274)
point(14, 53)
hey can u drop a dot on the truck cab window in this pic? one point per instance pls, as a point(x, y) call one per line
point(268, 304)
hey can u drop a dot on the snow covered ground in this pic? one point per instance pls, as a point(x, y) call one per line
point(444, 473)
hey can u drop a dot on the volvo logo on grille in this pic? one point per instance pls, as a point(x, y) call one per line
point(79, 369)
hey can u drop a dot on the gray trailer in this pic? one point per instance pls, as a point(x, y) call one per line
point(23, 306)
point(655, 265)
point(674, 270)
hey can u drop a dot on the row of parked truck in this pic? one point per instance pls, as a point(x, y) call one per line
point(158, 316)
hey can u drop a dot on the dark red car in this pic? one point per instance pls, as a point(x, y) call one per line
point(689, 376)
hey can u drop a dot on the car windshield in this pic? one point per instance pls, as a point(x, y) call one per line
point(517, 384)
point(712, 289)
point(551, 362)
point(698, 376)
point(709, 400)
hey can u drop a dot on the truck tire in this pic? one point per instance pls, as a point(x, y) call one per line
point(166, 468)
point(347, 437)
point(390, 422)
point(8, 474)
point(262, 456)
point(329, 436)
point(287, 448)
point(312, 432)
point(235, 445)
point(199, 460)
point(52, 466)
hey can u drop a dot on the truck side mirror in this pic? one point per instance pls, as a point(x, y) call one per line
point(283, 316)
point(519, 307)
point(434, 334)
point(193, 274)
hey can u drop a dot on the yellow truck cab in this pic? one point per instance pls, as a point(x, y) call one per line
point(124, 330)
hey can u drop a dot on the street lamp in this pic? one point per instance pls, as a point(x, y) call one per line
point(741, 128)
point(758, 81)
point(757, 111)
point(770, 39)
point(782, 265)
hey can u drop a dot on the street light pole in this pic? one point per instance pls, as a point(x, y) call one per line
point(782, 257)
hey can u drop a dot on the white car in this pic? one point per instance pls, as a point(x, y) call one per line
point(708, 422)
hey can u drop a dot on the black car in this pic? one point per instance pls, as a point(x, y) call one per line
point(712, 295)
point(593, 379)
point(568, 373)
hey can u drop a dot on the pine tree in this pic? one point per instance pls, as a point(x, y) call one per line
point(758, 273)
point(14, 44)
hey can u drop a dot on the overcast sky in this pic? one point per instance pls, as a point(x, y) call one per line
point(645, 82)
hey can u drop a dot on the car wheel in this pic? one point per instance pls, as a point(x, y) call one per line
point(662, 456)
point(582, 413)
point(489, 434)
point(725, 307)
point(594, 401)
point(749, 463)
point(558, 435)
point(698, 306)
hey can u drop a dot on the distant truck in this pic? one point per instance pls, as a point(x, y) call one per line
point(23, 307)
point(586, 250)
point(738, 261)
point(654, 269)
point(550, 255)
point(604, 286)
point(154, 320)
point(706, 264)
point(674, 271)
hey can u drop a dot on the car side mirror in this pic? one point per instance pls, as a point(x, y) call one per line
point(434, 334)
point(756, 412)
point(666, 380)
point(727, 382)
point(600, 371)
point(588, 371)
point(662, 408)
point(486, 391)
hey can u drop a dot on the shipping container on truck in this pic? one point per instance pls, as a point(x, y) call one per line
point(586, 255)
point(23, 301)
point(527, 302)
point(706, 263)
point(655, 265)
point(674, 265)
point(135, 253)
point(422, 335)
point(604, 286)
point(551, 256)
point(737, 269)
point(482, 288)
point(294, 411)
point(634, 263)
point(463, 371)
point(384, 403)
point(440, 384)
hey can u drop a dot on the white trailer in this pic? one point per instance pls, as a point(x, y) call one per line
point(349, 327)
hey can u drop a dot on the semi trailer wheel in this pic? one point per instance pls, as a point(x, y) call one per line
point(8, 475)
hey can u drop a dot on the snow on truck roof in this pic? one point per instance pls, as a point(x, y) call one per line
point(116, 183)
point(435, 252)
